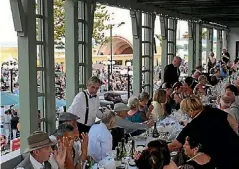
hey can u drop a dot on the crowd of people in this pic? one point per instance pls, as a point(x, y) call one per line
point(209, 139)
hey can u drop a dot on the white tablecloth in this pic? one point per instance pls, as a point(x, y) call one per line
point(110, 163)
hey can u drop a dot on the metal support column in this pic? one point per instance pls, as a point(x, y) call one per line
point(172, 30)
point(71, 50)
point(219, 44)
point(136, 17)
point(225, 39)
point(46, 69)
point(198, 44)
point(209, 41)
point(191, 47)
point(27, 57)
point(49, 66)
point(85, 22)
point(148, 52)
point(164, 48)
point(79, 17)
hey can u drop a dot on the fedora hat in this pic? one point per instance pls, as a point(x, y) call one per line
point(66, 116)
point(39, 139)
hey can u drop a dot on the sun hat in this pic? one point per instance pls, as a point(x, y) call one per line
point(39, 139)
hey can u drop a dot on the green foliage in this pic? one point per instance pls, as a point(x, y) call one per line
point(204, 34)
point(101, 16)
point(59, 23)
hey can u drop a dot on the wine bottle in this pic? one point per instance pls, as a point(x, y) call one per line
point(126, 138)
point(118, 154)
point(155, 131)
point(123, 149)
point(132, 151)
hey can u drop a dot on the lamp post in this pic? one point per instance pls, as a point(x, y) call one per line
point(128, 64)
point(111, 48)
point(11, 67)
point(111, 42)
point(108, 64)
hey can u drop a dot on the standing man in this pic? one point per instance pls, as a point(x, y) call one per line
point(86, 105)
point(14, 122)
point(171, 71)
point(225, 55)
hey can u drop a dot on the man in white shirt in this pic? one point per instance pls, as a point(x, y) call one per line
point(39, 146)
point(7, 124)
point(100, 138)
point(86, 105)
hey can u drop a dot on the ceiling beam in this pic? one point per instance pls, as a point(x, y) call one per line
point(176, 1)
point(134, 5)
point(187, 1)
point(179, 6)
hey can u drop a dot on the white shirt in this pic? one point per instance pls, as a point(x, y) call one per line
point(77, 148)
point(100, 142)
point(78, 107)
point(35, 163)
point(53, 162)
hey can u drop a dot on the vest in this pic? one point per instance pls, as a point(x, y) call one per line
point(26, 164)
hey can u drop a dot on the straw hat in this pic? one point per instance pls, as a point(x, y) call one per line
point(39, 139)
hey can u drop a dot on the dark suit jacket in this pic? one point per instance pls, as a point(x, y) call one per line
point(26, 163)
point(171, 74)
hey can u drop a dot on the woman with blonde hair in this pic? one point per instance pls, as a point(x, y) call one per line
point(159, 100)
point(216, 131)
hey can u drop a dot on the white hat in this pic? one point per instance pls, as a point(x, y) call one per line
point(121, 107)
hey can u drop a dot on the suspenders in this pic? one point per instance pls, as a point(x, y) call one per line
point(87, 108)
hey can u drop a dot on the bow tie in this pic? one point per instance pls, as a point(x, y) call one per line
point(94, 96)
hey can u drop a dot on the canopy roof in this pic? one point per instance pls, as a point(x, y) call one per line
point(222, 12)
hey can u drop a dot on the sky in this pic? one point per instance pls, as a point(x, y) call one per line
point(8, 36)
point(7, 32)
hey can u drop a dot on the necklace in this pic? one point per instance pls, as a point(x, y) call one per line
point(194, 157)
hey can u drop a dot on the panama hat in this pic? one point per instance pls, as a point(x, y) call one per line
point(39, 139)
point(121, 107)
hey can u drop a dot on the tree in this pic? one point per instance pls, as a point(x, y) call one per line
point(204, 34)
point(101, 16)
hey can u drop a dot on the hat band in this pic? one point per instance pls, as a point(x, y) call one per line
point(39, 144)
